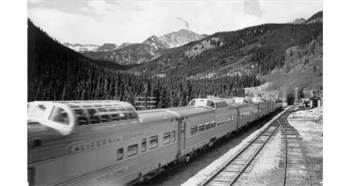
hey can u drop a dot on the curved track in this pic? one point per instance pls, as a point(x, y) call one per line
point(231, 171)
point(296, 171)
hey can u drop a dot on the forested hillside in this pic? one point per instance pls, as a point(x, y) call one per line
point(257, 49)
point(58, 73)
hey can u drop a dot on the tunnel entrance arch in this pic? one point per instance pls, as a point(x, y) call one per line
point(290, 99)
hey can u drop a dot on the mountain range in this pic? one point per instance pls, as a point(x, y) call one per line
point(256, 50)
point(137, 53)
point(270, 52)
point(90, 47)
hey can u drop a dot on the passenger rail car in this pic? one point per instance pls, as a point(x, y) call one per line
point(206, 121)
point(96, 142)
point(109, 143)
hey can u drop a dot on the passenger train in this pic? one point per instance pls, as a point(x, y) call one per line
point(110, 143)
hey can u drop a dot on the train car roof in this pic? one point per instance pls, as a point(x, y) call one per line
point(214, 103)
point(64, 116)
point(190, 111)
point(93, 103)
point(155, 116)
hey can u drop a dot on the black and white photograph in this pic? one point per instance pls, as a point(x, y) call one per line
point(174, 93)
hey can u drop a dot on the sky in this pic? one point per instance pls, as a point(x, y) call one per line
point(116, 21)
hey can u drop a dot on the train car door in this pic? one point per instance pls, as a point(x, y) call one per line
point(238, 118)
point(181, 137)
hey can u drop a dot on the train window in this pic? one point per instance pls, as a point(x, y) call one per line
point(93, 117)
point(69, 149)
point(124, 116)
point(218, 122)
point(59, 115)
point(114, 115)
point(104, 115)
point(207, 126)
point(194, 130)
point(210, 104)
point(166, 138)
point(144, 145)
point(132, 150)
point(173, 136)
point(213, 124)
point(120, 154)
point(132, 113)
point(153, 142)
point(229, 119)
point(201, 128)
point(192, 103)
point(81, 117)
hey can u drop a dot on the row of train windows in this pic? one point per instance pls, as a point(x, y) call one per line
point(254, 110)
point(245, 113)
point(202, 127)
point(101, 115)
point(221, 104)
point(153, 143)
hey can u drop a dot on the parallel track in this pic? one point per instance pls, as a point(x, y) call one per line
point(231, 171)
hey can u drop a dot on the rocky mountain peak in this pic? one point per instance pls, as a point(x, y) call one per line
point(298, 21)
point(179, 38)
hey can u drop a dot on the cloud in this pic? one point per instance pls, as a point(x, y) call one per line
point(98, 22)
point(130, 5)
point(186, 23)
point(34, 1)
point(85, 9)
point(252, 7)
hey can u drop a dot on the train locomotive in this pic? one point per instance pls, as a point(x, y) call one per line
point(110, 143)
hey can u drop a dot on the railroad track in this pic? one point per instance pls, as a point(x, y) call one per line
point(296, 171)
point(231, 171)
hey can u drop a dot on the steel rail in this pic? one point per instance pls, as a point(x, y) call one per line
point(212, 178)
point(283, 128)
